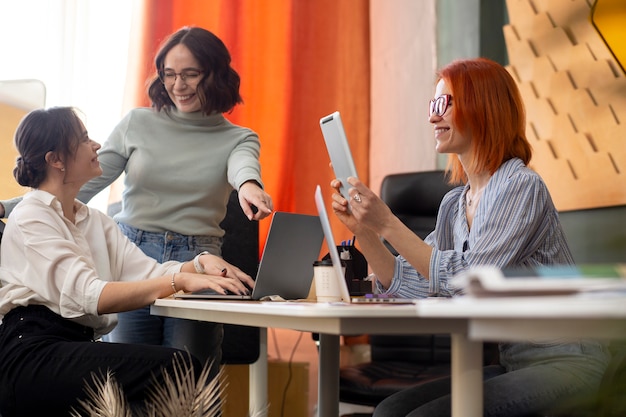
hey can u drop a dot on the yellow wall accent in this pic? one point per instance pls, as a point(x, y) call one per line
point(575, 95)
point(11, 117)
point(609, 17)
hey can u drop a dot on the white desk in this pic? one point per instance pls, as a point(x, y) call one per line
point(469, 321)
point(523, 318)
point(330, 321)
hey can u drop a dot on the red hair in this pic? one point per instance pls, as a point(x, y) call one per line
point(489, 109)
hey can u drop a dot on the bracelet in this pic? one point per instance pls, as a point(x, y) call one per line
point(197, 264)
point(173, 283)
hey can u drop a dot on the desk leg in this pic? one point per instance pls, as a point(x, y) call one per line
point(328, 377)
point(258, 379)
point(467, 377)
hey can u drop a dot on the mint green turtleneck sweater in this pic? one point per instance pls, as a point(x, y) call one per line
point(180, 169)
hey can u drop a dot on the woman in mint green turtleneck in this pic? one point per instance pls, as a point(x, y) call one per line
point(182, 158)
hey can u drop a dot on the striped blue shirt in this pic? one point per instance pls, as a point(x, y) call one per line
point(515, 225)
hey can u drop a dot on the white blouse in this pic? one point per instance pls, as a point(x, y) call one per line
point(47, 260)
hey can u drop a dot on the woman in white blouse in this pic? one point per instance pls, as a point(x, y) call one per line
point(66, 269)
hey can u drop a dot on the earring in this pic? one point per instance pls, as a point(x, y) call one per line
point(63, 169)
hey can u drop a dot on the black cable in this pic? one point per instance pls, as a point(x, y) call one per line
point(273, 331)
point(282, 407)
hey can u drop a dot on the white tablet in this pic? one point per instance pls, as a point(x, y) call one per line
point(338, 150)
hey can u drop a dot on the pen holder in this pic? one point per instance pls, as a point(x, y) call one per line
point(356, 270)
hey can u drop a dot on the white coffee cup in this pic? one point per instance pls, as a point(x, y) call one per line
point(326, 284)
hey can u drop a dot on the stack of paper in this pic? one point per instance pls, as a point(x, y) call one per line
point(490, 281)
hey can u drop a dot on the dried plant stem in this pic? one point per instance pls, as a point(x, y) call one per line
point(180, 395)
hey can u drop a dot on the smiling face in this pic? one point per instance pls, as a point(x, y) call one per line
point(84, 164)
point(448, 138)
point(182, 89)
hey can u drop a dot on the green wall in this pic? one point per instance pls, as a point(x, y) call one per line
point(469, 29)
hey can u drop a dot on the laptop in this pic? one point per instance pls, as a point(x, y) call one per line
point(334, 256)
point(293, 243)
point(338, 150)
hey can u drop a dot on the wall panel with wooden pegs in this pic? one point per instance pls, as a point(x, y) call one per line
point(575, 94)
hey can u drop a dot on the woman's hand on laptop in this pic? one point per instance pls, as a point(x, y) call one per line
point(223, 274)
point(206, 263)
point(190, 282)
point(233, 273)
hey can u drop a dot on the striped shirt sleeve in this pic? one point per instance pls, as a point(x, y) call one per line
point(516, 224)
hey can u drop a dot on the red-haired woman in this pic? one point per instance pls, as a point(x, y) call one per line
point(502, 215)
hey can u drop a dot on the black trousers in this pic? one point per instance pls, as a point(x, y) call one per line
point(46, 362)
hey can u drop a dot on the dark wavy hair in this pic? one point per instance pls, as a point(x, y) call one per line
point(57, 129)
point(218, 90)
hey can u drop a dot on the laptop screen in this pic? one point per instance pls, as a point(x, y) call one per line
point(330, 241)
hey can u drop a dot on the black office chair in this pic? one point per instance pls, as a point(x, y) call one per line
point(1, 232)
point(414, 198)
point(240, 248)
point(399, 362)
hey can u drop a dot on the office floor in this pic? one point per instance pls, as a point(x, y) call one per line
point(290, 345)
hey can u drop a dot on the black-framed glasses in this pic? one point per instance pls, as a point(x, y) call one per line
point(168, 77)
point(439, 105)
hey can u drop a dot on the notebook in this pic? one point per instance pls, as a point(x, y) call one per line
point(338, 150)
point(293, 243)
point(334, 256)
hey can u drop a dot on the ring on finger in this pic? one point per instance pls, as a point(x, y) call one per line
point(357, 197)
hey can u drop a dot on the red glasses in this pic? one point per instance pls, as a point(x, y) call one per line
point(439, 105)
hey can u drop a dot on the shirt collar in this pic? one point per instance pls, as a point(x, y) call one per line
point(502, 174)
point(82, 211)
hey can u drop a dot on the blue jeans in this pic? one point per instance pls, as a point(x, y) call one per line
point(533, 380)
point(202, 339)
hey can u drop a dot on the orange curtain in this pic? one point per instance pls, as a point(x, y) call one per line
point(298, 61)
